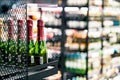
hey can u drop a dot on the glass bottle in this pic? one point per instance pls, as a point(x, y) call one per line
point(31, 46)
point(21, 43)
point(12, 44)
point(40, 43)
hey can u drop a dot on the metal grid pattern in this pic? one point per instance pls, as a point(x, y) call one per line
point(12, 67)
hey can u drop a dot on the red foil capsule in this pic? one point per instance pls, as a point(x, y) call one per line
point(29, 26)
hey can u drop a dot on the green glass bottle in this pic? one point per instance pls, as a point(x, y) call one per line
point(21, 44)
point(12, 44)
point(37, 50)
point(1, 42)
point(31, 46)
point(41, 44)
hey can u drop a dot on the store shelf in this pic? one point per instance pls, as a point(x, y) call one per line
point(7, 72)
point(67, 27)
point(44, 2)
point(78, 28)
point(38, 73)
point(77, 6)
point(75, 22)
point(74, 74)
point(40, 67)
point(99, 16)
point(53, 26)
point(82, 18)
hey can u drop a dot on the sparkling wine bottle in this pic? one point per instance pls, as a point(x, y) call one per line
point(3, 43)
point(21, 43)
point(31, 46)
point(40, 45)
point(12, 44)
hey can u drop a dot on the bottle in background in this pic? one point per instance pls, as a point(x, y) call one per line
point(31, 46)
point(21, 43)
point(3, 43)
point(12, 44)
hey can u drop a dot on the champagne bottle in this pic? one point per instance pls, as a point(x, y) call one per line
point(2, 42)
point(12, 44)
point(37, 51)
point(21, 43)
point(31, 46)
point(41, 44)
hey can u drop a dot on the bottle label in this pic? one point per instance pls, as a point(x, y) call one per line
point(19, 58)
point(32, 59)
point(41, 60)
point(10, 57)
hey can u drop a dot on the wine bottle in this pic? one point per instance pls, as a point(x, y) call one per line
point(40, 45)
point(37, 50)
point(31, 46)
point(12, 44)
point(2, 42)
point(21, 44)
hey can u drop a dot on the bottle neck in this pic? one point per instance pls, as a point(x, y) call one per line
point(10, 29)
point(30, 25)
point(1, 29)
point(20, 30)
point(40, 34)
